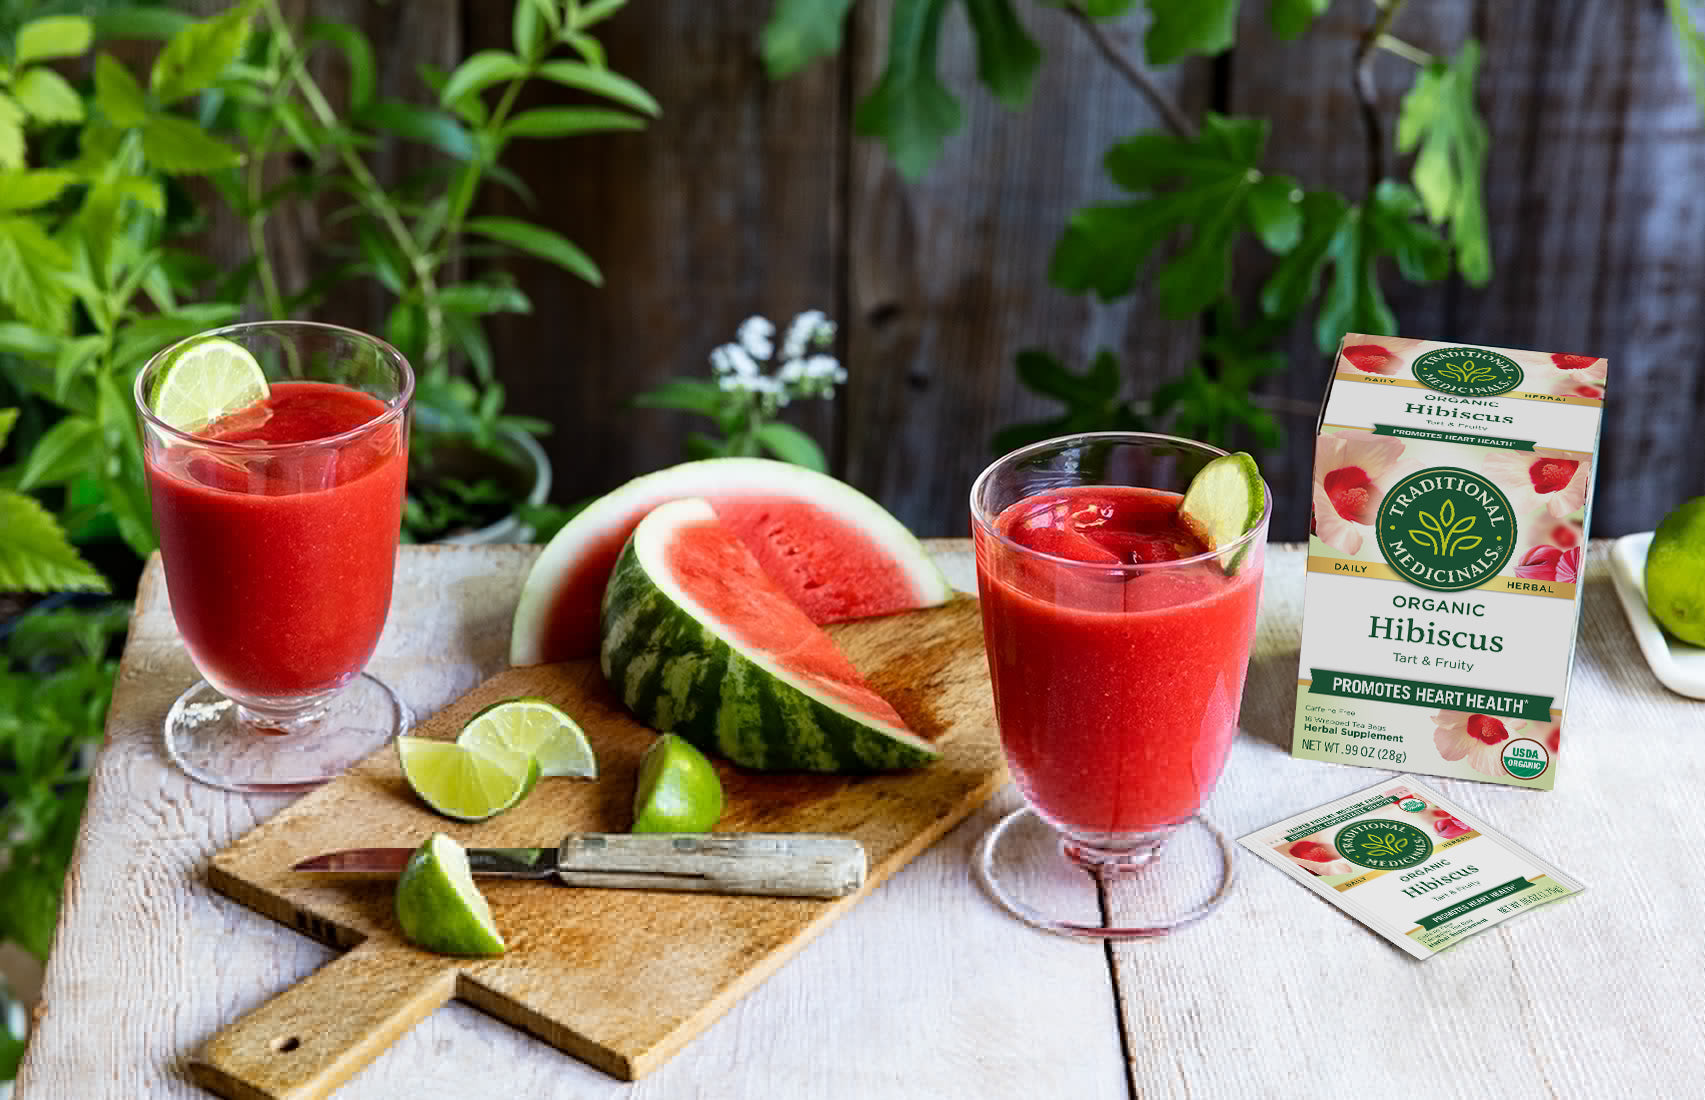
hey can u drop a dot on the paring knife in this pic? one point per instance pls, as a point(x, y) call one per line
point(804, 865)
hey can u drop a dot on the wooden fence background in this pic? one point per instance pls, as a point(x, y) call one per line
point(754, 197)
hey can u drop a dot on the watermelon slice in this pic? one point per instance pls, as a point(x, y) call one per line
point(835, 551)
point(701, 641)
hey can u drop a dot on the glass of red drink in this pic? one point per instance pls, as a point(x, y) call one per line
point(1117, 646)
point(278, 531)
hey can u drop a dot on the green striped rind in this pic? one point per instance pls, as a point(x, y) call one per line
point(678, 676)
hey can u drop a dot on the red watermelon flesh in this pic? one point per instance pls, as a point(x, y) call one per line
point(832, 549)
point(825, 565)
point(716, 565)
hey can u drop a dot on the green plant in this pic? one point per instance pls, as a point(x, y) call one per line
point(744, 398)
point(1197, 192)
point(94, 217)
point(55, 684)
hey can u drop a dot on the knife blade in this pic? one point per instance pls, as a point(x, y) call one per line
point(807, 865)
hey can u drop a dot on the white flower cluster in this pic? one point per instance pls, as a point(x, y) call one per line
point(803, 370)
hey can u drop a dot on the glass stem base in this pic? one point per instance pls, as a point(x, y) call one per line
point(224, 744)
point(1040, 878)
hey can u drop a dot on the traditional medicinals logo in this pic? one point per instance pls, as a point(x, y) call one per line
point(1384, 845)
point(1445, 529)
point(1467, 372)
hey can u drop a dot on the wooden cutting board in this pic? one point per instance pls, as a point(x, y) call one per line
point(619, 978)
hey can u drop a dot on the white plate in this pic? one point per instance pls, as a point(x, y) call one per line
point(1677, 665)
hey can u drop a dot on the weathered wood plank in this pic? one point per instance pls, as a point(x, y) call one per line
point(948, 276)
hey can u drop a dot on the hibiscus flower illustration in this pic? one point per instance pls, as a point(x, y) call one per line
point(1550, 563)
point(1317, 857)
point(1578, 376)
point(1556, 480)
point(1373, 359)
point(1352, 469)
point(1477, 738)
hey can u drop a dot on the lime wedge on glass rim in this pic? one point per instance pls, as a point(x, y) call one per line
point(438, 905)
point(203, 381)
point(534, 727)
point(1224, 502)
point(465, 783)
point(678, 791)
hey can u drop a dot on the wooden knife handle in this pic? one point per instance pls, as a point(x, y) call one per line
point(801, 865)
point(317, 1034)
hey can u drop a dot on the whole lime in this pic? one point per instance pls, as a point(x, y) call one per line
point(1675, 573)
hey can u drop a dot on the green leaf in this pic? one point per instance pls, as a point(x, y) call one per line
point(909, 109)
point(178, 147)
point(480, 72)
point(357, 53)
point(527, 29)
point(1421, 254)
point(26, 342)
point(67, 450)
point(34, 553)
point(799, 32)
point(11, 134)
point(1353, 301)
point(599, 81)
point(790, 444)
point(117, 93)
point(550, 122)
point(541, 242)
point(53, 36)
point(1273, 213)
point(588, 48)
point(72, 362)
point(1692, 46)
point(197, 55)
point(596, 11)
point(693, 395)
point(1291, 17)
point(1178, 28)
point(420, 124)
point(139, 22)
point(8, 417)
point(30, 263)
point(28, 190)
point(481, 298)
point(1007, 57)
point(1046, 375)
point(1297, 275)
point(1212, 177)
point(46, 97)
point(1438, 117)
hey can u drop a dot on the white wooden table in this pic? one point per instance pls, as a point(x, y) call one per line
point(926, 989)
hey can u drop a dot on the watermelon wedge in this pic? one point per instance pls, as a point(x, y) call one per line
point(701, 641)
point(836, 552)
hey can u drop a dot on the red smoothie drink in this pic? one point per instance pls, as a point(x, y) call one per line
point(1117, 687)
point(279, 560)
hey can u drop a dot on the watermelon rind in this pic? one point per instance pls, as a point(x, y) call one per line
point(711, 477)
point(679, 672)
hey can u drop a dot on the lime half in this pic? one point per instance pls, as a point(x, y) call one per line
point(678, 791)
point(205, 381)
point(1225, 501)
point(536, 728)
point(438, 905)
point(464, 783)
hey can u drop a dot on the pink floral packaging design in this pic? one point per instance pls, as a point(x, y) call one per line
point(1416, 868)
point(1451, 492)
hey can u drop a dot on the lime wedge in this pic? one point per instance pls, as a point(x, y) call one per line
point(205, 381)
point(438, 905)
point(1225, 501)
point(464, 783)
point(678, 791)
point(536, 728)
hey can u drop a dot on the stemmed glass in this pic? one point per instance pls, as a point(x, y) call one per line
point(278, 531)
point(1117, 649)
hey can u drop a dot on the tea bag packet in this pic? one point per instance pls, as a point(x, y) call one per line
point(1410, 864)
point(1448, 530)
